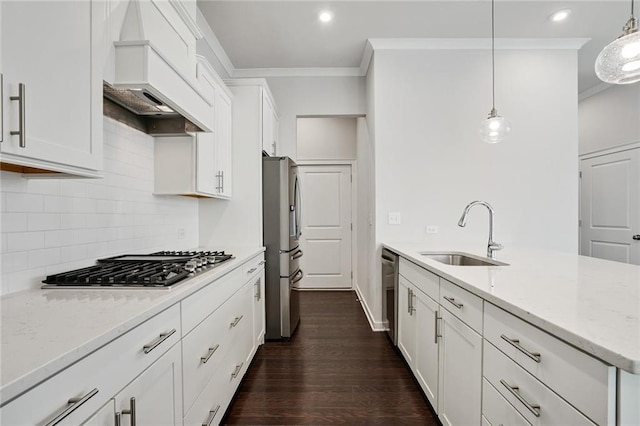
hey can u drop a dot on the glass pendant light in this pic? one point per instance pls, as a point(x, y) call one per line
point(494, 128)
point(619, 61)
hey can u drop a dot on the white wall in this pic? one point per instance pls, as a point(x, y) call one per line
point(313, 96)
point(610, 118)
point(326, 138)
point(54, 225)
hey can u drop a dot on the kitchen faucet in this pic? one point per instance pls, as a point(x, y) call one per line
point(491, 245)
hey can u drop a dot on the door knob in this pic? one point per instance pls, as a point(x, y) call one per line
point(636, 237)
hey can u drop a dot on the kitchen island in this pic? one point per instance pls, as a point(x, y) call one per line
point(590, 304)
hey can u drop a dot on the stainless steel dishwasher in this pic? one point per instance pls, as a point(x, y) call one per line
point(390, 293)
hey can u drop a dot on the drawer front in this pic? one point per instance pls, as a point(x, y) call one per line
point(584, 381)
point(210, 406)
point(97, 377)
point(200, 304)
point(496, 410)
point(462, 304)
point(253, 266)
point(533, 400)
point(426, 281)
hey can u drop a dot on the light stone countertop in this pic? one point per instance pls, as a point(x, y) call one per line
point(590, 303)
point(44, 331)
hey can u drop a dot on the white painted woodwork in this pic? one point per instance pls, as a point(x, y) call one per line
point(610, 206)
point(496, 410)
point(104, 417)
point(462, 304)
point(425, 366)
point(258, 310)
point(406, 321)
point(562, 368)
point(628, 397)
point(326, 226)
point(553, 409)
point(157, 392)
point(426, 281)
point(224, 139)
point(269, 129)
point(326, 138)
point(460, 372)
point(63, 114)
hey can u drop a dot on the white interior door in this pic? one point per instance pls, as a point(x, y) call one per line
point(326, 226)
point(610, 206)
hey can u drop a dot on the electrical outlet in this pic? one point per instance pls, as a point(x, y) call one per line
point(431, 229)
point(395, 218)
point(181, 233)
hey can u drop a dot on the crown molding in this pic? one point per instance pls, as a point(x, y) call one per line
point(476, 43)
point(593, 91)
point(187, 18)
point(297, 72)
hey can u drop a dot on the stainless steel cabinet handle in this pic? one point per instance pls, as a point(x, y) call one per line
point(237, 370)
point(118, 419)
point(258, 294)
point(212, 415)
point(435, 340)
point(163, 336)
point(516, 344)
point(236, 321)
point(22, 112)
point(453, 302)
point(131, 411)
point(222, 180)
point(252, 270)
point(413, 297)
point(262, 262)
point(636, 237)
point(535, 409)
point(409, 301)
point(75, 404)
point(297, 255)
point(209, 354)
point(1, 107)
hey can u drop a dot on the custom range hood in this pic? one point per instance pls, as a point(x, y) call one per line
point(149, 80)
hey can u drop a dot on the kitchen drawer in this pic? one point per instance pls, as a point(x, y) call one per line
point(253, 267)
point(200, 304)
point(505, 375)
point(584, 381)
point(210, 405)
point(497, 410)
point(462, 304)
point(102, 374)
point(426, 281)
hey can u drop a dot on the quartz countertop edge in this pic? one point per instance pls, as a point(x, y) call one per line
point(528, 286)
point(34, 347)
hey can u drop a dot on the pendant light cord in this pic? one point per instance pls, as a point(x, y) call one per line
point(493, 60)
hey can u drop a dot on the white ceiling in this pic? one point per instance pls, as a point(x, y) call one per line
point(286, 34)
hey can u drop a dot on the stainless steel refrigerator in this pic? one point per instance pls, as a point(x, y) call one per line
point(281, 215)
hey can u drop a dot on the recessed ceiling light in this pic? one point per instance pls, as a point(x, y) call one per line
point(325, 16)
point(560, 15)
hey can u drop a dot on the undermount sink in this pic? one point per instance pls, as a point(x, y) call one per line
point(461, 259)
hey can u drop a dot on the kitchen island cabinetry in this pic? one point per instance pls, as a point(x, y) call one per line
point(51, 57)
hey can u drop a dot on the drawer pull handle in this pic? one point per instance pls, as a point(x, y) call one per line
point(163, 336)
point(22, 113)
point(258, 294)
point(535, 409)
point(252, 270)
point(453, 302)
point(209, 354)
point(118, 420)
point(236, 321)
point(435, 340)
point(131, 411)
point(75, 404)
point(237, 370)
point(212, 415)
point(262, 262)
point(516, 344)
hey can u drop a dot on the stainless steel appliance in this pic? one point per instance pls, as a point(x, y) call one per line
point(281, 232)
point(390, 264)
point(160, 270)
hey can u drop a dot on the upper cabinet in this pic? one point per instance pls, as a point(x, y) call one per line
point(270, 125)
point(199, 165)
point(52, 87)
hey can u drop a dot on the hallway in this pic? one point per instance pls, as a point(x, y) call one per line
point(335, 370)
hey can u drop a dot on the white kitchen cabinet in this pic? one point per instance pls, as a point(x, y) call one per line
point(270, 125)
point(201, 164)
point(426, 368)
point(104, 417)
point(460, 372)
point(406, 321)
point(258, 311)
point(154, 397)
point(52, 91)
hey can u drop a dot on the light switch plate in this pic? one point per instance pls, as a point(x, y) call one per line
point(395, 218)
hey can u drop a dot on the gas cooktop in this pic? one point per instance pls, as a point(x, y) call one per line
point(160, 270)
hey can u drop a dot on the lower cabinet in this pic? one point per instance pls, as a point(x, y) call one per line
point(258, 311)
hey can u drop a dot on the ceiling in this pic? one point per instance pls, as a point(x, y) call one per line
point(286, 34)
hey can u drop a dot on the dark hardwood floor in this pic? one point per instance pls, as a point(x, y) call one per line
point(334, 370)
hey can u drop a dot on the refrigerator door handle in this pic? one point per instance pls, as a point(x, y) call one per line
point(297, 277)
point(297, 206)
point(297, 255)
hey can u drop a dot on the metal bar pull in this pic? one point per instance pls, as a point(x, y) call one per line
point(131, 410)
point(118, 420)
point(534, 408)
point(252, 270)
point(163, 336)
point(22, 112)
point(453, 302)
point(262, 262)
point(237, 370)
point(258, 294)
point(212, 415)
point(75, 404)
point(1, 107)
point(435, 332)
point(413, 297)
point(236, 321)
point(209, 354)
point(409, 301)
point(516, 344)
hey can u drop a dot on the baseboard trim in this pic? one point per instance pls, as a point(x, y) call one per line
point(375, 325)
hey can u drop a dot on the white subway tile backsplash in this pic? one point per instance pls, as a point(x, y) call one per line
point(54, 225)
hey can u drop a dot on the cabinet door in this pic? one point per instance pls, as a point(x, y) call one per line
point(223, 143)
point(106, 416)
point(460, 372)
point(207, 181)
point(156, 394)
point(426, 361)
point(258, 310)
point(276, 133)
point(406, 321)
point(47, 47)
point(267, 125)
